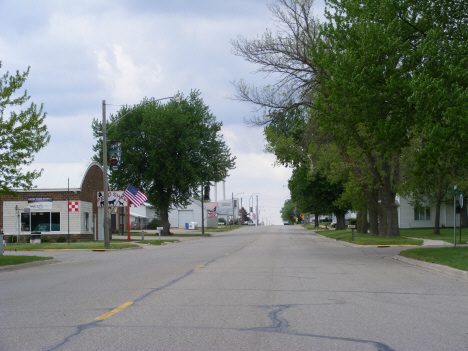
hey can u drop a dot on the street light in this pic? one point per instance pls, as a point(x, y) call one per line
point(104, 161)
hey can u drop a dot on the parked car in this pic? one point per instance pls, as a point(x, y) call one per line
point(250, 223)
point(286, 223)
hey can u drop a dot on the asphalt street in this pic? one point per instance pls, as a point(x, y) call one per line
point(255, 288)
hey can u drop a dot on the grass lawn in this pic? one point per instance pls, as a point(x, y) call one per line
point(455, 257)
point(446, 234)
point(11, 260)
point(364, 239)
point(81, 245)
point(225, 228)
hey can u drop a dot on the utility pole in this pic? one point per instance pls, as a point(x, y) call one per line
point(256, 219)
point(105, 208)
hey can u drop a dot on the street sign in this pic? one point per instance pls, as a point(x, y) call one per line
point(115, 199)
point(455, 192)
point(115, 154)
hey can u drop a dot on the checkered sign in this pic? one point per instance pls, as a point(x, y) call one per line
point(73, 206)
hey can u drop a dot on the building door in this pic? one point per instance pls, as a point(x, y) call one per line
point(113, 221)
point(185, 216)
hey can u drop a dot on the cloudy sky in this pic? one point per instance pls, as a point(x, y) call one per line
point(83, 52)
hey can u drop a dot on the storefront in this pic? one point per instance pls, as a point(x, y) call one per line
point(62, 202)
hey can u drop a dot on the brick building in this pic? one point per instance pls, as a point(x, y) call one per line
point(46, 207)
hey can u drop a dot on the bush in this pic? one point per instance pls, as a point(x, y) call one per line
point(61, 239)
point(11, 239)
point(353, 221)
point(155, 222)
point(222, 220)
point(45, 239)
point(27, 240)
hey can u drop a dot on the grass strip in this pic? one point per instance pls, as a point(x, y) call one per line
point(81, 245)
point(365, 239)
point(455, 257)
point(11, 260)
point(155, 242)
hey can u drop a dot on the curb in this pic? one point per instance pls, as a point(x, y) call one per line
point(15, 267)
point(453, 272)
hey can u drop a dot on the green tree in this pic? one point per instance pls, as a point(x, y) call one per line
point(366, 67)
point(437, 158)
point(313, 193)
point(288, 211)
point(168, 151)
point(21, 135)
point(245, 215)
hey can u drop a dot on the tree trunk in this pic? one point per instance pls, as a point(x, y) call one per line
point(164, 218)
point(316, 220)
point(373, 221)
point(359, 221)
point(382, 220)
point(340, 221)
point(364, 222)
point(361, 225)
point(389, 212)
point(437, 217)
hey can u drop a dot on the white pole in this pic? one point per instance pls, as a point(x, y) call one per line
point(216, 191)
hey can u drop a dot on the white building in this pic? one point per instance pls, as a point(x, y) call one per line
point(181, 217)
point(409, 217)
point(140, 216)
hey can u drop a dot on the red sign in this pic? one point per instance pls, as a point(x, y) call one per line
point(73, 206)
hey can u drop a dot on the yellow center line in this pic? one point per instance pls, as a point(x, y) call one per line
point(114, 311)
point(199, 267)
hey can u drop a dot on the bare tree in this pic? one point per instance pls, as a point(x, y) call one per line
point(285, 53)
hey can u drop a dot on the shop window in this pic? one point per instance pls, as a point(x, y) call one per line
point(422, 214)
point(45, 221)
point(25, 220)
point(86, 221)
point(55, 221)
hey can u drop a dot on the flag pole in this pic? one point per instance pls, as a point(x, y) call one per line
point(68, 220)
point(128, 220)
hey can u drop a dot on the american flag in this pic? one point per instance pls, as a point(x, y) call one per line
point(135, 195)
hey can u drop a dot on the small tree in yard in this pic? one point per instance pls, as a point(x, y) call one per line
point(21, 135)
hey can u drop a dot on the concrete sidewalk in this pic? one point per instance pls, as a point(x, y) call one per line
point(178, 234)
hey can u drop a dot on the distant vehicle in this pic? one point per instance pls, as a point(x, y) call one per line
point(333, 225)
point(286, 222)
point(250, 223)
